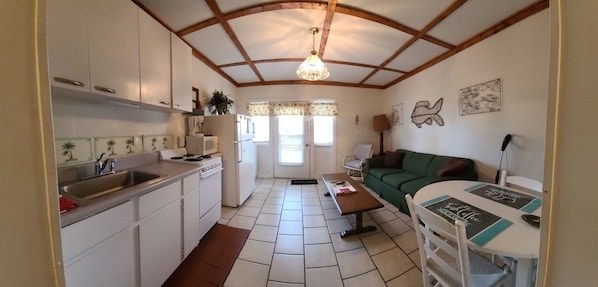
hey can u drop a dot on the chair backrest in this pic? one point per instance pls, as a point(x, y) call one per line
point(520, 181)
point(443, 247)
point(363, 151)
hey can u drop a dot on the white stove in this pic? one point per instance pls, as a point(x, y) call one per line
point(210, 184)
point(209, 164)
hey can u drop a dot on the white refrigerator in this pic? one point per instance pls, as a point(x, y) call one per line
point(239, 156)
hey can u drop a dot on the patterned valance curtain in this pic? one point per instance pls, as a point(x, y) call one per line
point(292, 109)
point(323, 109)
point(259, 109)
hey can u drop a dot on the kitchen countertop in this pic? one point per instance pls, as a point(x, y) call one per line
point(169, 172)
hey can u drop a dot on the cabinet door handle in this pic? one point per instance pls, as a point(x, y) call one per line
point(107, 90)
point(165, 103)
point(70, 82)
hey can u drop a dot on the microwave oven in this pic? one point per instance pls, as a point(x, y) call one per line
point(200, 144)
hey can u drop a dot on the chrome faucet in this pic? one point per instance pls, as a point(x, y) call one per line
point(100, 166)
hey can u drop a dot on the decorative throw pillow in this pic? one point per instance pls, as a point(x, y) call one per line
point(453, 166)
point(394, 159)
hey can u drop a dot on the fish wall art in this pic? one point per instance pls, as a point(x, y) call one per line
point(423, 113)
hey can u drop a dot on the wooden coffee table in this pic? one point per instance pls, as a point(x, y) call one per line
point(354, 203)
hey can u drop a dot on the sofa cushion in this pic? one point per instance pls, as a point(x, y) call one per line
point(396, 180)
point(394, 159)
point(413, 186)
point(453, 166)
point(417, 163)
point(382, 171)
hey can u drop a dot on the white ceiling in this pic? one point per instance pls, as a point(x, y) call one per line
point(367, 43)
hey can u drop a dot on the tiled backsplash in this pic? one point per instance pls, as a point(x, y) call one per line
point(80, 150)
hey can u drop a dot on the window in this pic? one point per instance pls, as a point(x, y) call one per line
point(291, 140)
point(323, 130)
point(261, 128)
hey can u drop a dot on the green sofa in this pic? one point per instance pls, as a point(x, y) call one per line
point(403, 172)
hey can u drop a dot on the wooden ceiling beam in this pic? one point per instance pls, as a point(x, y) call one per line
point(326, 27)
point(231, 34)
point(448, 11)
point(522, 14)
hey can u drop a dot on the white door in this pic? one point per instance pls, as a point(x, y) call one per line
point(292, 147)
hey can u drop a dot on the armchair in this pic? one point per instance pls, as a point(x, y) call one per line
point(354, 163)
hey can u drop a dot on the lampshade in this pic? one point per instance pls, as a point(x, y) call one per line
point(381, 123)
point(313, 69)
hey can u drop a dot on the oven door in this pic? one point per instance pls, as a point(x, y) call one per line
point(210, 190)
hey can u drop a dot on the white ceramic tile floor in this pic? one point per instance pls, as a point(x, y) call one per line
point(295, 241)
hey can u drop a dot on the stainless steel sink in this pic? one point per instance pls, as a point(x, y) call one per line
point(85, 190)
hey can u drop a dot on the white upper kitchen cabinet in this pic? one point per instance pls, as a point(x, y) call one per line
point(67, 44)
point(154, 61)
point(114, 48)
point(182, 95)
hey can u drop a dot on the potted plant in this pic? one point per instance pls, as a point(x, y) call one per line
point(219, 103)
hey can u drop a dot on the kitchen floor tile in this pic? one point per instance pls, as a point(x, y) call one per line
point(344, 244)
point(293, 197)
point(257, 251)
point(291, 205)
point(395, 227)
point(382, 215)
point(323, 277)
point(314, 221)
point(319, 255)
point(376, 243)
point(287, 268)
point(291, 214)
point(249, 211)
point(268, 219)
point(274, 200)
point(291, 227)
point(283, 284)
point(411, 278)
point(311, 200)
point(316, 235)
point(372, 279)
point(289, 244)
point(354, 262)
point(244, 222)
point(407, 241)
point(227, 212)
point(332, 214)
point(254, 202)
point(392, 263)
point(272, 208)
point(263, 233)
point(312, 209)
point(245, 273)
point(338, 225)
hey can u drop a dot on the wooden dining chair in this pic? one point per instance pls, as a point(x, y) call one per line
point(445, 258)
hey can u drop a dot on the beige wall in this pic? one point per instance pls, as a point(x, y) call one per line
point(352, 102)
point(29, 229)
point(519, 56)
point(569, 251)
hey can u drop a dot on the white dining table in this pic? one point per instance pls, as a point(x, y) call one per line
point(520, 240)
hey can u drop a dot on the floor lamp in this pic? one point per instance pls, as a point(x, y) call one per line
point(381, 124)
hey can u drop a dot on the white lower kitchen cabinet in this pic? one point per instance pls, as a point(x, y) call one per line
point(191, 234)
point(100, 250)
point(112, 264)
point(159, 234)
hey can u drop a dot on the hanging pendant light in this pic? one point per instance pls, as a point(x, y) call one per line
point(313, 69)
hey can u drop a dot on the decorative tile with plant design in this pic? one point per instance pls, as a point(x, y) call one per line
point(117, 147)
point(154, 143)
point(73, 150)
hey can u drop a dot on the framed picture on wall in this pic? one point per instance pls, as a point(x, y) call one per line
point(397, 114)
point(481, 98)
